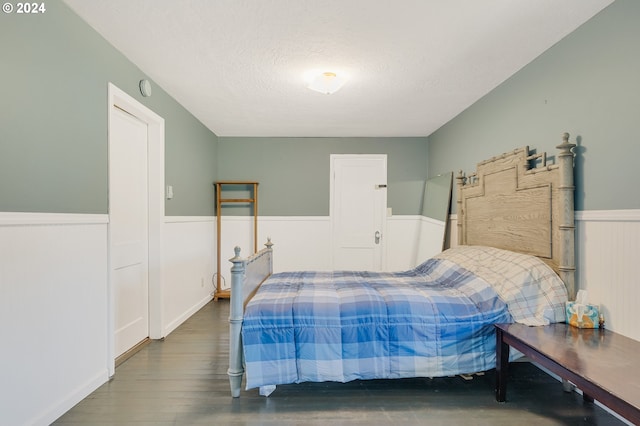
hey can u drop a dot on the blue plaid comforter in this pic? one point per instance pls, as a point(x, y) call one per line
point(434, 320)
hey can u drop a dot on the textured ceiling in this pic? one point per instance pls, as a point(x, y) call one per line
point(238, 65)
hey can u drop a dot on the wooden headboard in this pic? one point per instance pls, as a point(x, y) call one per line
point(516, 201)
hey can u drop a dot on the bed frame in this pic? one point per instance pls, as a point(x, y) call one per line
point(518, 202)
point(246, 276)
point(515, 201)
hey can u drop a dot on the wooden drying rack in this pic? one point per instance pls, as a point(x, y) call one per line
point(220, 293)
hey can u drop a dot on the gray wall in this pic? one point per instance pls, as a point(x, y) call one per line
point(588, 84)
point(53, 120)
point(53, 125)
point(294, 172)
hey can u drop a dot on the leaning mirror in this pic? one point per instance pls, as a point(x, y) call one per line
point(436, 202)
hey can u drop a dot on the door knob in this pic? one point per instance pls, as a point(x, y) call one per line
point(377, 236)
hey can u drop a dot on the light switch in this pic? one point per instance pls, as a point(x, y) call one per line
point(169, 192)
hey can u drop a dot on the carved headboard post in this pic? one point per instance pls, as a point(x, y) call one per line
point(567, 267)
point(459, 212)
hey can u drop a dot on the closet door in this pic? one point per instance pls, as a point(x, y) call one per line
point(358, 211)
point(129, 236)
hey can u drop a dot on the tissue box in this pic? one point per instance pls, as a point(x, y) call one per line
point(589, 316)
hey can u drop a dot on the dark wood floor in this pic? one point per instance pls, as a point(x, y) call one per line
point(182, 380)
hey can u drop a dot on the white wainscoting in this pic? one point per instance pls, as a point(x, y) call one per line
point(54, 290)
point(608, 256)
point(188, 267)
point(53, 313)
point(431, 239)
point(401, 241)
point(300, 242)
point(304, 242)
point(54, 310)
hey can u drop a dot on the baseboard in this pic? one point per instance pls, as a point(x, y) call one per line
point(69, 401)
point(186, 315)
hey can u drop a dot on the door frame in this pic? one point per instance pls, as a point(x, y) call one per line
point(332, 158)
point(155, 149)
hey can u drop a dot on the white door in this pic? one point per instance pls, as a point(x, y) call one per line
point(129, 235)
point(358, 211)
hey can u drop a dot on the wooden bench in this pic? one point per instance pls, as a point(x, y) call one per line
point(603, 364)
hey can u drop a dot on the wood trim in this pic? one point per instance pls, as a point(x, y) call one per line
point(131, 352)
point(189, 219)
point(630, 215)
point(28, 218)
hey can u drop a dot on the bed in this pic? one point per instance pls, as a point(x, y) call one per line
point(514, 262)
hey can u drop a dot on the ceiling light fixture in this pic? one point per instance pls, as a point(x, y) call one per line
point(327, 83)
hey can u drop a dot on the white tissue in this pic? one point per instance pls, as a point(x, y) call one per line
point(582, 298)
point(582, 313)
